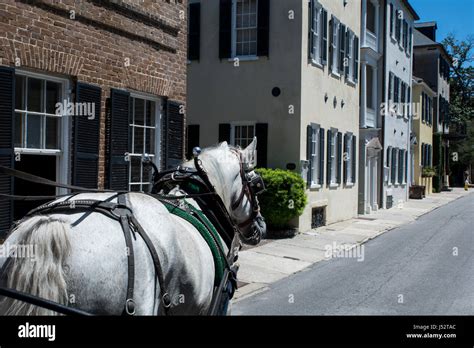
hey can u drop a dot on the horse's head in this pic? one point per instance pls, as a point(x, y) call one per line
point(231, 171)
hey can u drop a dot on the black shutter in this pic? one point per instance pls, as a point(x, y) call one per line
point(173, 136)
point(263, 35)
point(85, 159)
point(345, 154)
point(261, 132)
point(321, 156)
point(342, 47)
point(309, 140)
point(324, 37)
point(192, 139)
point(225, 29)
point(391, 19)
point(194, 35)
point(356, 58)
point(310, 29)
point(329, 162)
point(331, 38)
point(339, 157)
point(7, 107)
point(354, 158)
point(118, 140)
point(224, 132)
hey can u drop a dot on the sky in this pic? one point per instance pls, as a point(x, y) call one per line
point(456, 16)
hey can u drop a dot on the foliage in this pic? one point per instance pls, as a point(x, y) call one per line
point(284, 198)
point(461, 107)
point(428, 172)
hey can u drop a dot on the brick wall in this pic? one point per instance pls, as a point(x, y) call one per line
point(133, 44)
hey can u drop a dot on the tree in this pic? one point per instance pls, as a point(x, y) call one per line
point(461, 102)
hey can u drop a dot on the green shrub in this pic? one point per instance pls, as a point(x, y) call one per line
point(284, 198)
point(428, 172)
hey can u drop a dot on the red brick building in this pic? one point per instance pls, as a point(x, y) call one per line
point(86, 88)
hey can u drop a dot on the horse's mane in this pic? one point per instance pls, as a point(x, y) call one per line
point(215, 170)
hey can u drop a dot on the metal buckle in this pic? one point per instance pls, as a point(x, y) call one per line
point(130, 306)
point(166, 300)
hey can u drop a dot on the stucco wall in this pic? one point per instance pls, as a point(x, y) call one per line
point(396, 128)
point(316, 82)
point(424, 135)
point(220, 92)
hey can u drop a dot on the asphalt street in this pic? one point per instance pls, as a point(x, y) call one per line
point(422, 268)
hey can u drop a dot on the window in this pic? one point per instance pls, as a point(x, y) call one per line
point(37, 117)
point(245, 28)
point(332, 157)
point(401, 163)
point(370, 16)
point(350, 55)
point(349, 158)
point(398, 25)
point(242, 134)
point(392, 20)
point(315, 151)
point(409, 40)
point(394, 166)
point(318, 33)
point(335, 46)
point(144, 129)
point(369, 87)
point(405, 34)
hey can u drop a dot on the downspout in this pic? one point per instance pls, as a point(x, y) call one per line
point(382, 133)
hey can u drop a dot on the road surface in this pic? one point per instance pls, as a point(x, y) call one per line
point(422, 268)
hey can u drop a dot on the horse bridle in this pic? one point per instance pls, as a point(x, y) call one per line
point(252, 185)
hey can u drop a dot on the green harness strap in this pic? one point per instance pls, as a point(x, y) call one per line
point(209, 236)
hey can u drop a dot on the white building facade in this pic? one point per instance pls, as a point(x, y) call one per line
point(396, 109)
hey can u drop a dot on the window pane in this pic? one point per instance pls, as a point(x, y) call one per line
point(150, 141)
point(34, 131)
point(35, 95)
point(139, 111)
point(53, 96)
point(147, 174)
point(52, 124)
point(138, 140)
point(370, 16)
point(150, 113)
point(135, 164)
point(135, 188)
point(19, 119)
point(19, 95)
point(146, 188)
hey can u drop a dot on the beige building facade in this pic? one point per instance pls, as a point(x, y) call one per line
point(422, 125)
point(286, 71)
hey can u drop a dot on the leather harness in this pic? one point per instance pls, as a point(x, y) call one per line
point(206, 197)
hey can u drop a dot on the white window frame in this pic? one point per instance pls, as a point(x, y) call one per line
point(235, 124)
point(334, 159)
point(350, 152)
point(317, 32)
point(350, 56)
point(62, 154)
point(156, 158)
point(234, 34)
point(335, 48)
point(315, 153)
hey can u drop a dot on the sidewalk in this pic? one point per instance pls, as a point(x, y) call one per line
point(277, 259)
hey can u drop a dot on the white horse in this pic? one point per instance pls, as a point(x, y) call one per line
point(81, 259)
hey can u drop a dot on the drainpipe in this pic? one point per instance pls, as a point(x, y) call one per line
point(382, 133)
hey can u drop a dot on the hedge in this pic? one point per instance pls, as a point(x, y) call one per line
point(284, 198)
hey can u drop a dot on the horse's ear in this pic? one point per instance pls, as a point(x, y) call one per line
point(249, 155)
point(224, 144)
